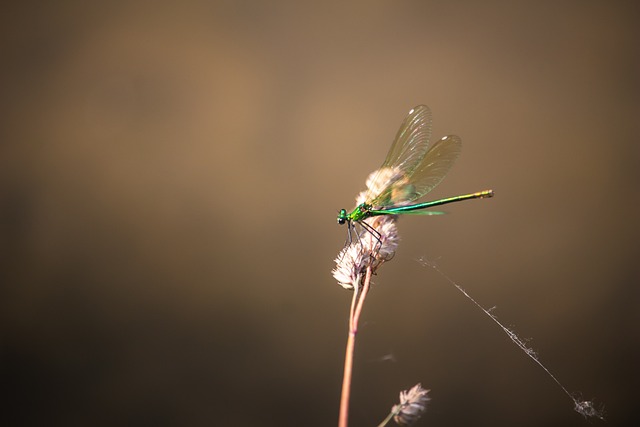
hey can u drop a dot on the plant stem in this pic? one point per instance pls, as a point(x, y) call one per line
point(386, 420)
point(357, 303)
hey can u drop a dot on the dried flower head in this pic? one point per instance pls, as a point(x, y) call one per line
point(350, 265)
point(379, 181)
point(366, 250)
point(384, 246)
point(413, 403)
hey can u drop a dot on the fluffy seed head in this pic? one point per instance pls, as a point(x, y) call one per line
point(369, 249)
point(350, 265)
point(366, 250)
point(378, 181)
point(413, 403)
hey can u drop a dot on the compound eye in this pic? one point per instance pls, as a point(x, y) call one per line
point(342, 216)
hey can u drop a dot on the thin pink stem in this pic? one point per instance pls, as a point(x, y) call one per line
point(357, 303)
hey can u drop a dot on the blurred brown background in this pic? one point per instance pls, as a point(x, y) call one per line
point(170, 176)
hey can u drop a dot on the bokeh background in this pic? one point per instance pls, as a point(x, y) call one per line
point(170, 175)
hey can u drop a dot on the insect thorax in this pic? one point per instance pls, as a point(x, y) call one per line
point(360, 212)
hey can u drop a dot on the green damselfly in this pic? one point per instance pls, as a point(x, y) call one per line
point(413, 168)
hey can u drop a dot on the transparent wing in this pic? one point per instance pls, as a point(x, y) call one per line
point(435, 165)
point(424, 177)
point(412, 140)
point(406, 153)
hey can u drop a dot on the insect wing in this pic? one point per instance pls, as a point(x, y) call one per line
point(409, 148)
point(434, 167)
point(411, 142)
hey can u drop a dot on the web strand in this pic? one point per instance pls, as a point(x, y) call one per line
point(583, 407)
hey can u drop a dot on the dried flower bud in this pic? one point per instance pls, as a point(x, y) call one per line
point(382, 180)
point(385, 248)
point(368, 250)
point(412, 405)
point(350, 265)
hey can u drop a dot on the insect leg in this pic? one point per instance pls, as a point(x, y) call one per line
point(349, 237)
point(375, 235)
